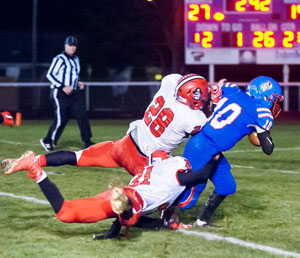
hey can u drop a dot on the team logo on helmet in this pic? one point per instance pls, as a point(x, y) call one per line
point(266, 86)
point(197, 94)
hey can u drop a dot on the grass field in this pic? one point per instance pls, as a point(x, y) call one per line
point(264, 212)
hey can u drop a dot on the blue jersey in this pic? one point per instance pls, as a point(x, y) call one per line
point(236, 115)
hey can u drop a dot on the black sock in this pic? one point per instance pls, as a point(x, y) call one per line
point(60, 158)
point(212, 203)
point(52, 193)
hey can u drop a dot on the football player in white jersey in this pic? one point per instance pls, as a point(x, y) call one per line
point(156, 187)
point(174, 113)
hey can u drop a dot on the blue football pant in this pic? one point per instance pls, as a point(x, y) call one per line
point(199, 152)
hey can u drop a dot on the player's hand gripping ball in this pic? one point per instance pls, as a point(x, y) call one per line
point(253, 139)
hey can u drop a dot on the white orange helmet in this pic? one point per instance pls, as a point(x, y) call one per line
point(192, 90)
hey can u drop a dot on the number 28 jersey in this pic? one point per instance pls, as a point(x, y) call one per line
point(166, 122)
point(236, 115)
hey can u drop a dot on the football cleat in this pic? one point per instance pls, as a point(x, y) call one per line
point(200, 223)
point(47, 146)
point(179, 225)
point(27, 161)
point(7, 119)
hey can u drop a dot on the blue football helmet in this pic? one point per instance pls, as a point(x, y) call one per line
point(267, 92)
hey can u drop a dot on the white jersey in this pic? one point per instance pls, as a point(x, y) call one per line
point(166, 122)
point(158, 185)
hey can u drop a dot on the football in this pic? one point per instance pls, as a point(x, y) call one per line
point(253, 139)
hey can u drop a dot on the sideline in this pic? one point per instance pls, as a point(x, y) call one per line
point(207, 236)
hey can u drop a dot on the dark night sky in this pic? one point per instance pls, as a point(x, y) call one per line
point(112, 33)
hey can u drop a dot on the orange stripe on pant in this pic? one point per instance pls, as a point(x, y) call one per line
point(87, 210)
point(119, 153)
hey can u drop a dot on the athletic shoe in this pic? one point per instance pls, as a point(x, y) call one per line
point(179, 225)
point(27, 161)
point(7, 119)
point(47, 146)
point(202, 223)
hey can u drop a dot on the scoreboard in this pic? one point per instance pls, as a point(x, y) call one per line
point(242, 31)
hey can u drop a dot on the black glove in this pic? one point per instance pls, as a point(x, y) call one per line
point(112, 233)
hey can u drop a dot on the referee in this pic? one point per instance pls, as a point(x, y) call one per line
point(67, 94)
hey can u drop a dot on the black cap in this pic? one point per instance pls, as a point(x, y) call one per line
point(71, 41)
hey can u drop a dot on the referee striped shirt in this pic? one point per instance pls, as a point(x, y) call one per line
point(64, 71)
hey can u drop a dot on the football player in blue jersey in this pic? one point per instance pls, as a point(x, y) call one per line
point(236, 114)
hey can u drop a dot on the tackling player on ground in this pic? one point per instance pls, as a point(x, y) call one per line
point(156, 187)
point(236, 114)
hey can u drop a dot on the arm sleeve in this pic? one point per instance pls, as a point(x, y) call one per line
point(200, 176)
point(266, 142)
point(55, 66)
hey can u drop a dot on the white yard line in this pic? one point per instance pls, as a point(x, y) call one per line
point(215, 237)
point(281, 171)
point(207, 236)
point(32, 144)
point(26, 198)
point(259, 150)
point(17, 143)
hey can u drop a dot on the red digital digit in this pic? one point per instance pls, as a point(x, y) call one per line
point(193, 12)
point(288, 39)
point(239, 39)
point(205, 38)
point(252, 5)
point(269, 40)
point(255, 4)
point(240, 5)
point(197, 37)
point(258, 39)
point(263, 39)
point(298, 37)
point(206, 9)
point(295, 11)
point(264, 5)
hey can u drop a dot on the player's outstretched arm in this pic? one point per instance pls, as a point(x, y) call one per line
point(200, 176)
